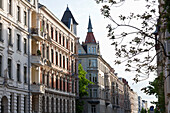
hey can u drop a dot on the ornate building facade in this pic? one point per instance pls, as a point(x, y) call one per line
point(106, 95)
point(52, 51)
point(14, 55)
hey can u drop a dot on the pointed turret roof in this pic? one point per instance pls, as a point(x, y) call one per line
point(90, 37)
point(67, 17)
point(89, 25)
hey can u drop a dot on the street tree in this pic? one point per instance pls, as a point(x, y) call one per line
point(83, 83)
point(136, 47)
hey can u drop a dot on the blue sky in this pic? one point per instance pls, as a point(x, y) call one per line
point(81, 9)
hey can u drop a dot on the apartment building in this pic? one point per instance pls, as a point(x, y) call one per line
point(53, 72)
point(14, 55)
point(104, 95)
point(133, 101)
point(127, 103)
point(52, 52)
point(139, 104)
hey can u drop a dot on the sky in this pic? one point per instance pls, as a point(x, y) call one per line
point(81, 10)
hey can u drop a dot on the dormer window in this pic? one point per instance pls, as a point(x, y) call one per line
point(89, 49)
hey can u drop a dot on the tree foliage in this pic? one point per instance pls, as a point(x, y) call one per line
point(143, 110)
point(157, 88)
point(138, 51)
point(83, 83)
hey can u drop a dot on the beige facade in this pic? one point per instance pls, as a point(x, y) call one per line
point(133, 101)
point(53, 72)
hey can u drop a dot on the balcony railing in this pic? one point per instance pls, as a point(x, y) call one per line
point(37, 88)
point(37, 34)
point(37, 60)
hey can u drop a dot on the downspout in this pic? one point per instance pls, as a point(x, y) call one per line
point(29, 63)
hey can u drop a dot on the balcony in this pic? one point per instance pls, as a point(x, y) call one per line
point(36, 34)
point(92, 68)
point(37, 88)
point(37, 60)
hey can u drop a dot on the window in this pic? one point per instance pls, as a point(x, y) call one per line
point(18, 13)
point(56, 60)
point(72, 46)
point(72, 86)
point(73, 106)
point(107, 96)
point(68, 106)
point(67, 43)
point(90, 76)
point(9, 37)
point(64, 84)
point(94, 77)
point(60, 84)
point(72, 66)
point(34, 2)
point(56, 36)
point(1, 4)
point(25, 46)
point(93, 50)
point(18, 72)
point(52, 105)
point(25, 104)
point(25, 18)
point(47, 28)
point(90, 93)
point(9, 68)
point(92, 63)
point(43, 104)
point(63, 61)
point(48, 53)
point(43, 77)
point(1, 32)
point(11, 103)
point(18, 104)
point(52, 81)
point(94, 92)
point(56, 82)
point(47, 104)
point(10, 7)
point(64, 106)
point(60, 60)
point(25, 74)
point(56, 105)
point(52, 35)
point(113, 87)
point(68, 85)
point(67, 64)
point(0, 65)
point(89, 49)
point(63, 41)
point(59, 38)
point(48, 79)
point(18, 42)
point(93, 108)
point(61, 106)
point(43, 50)
point(52, 56)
